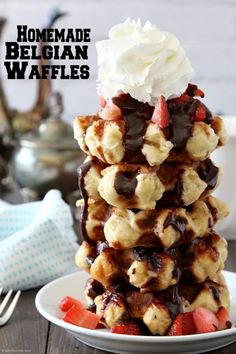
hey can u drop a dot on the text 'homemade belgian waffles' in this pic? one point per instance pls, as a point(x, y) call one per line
point(147, 213)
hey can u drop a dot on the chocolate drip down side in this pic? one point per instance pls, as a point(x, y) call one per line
point(208, 173)
point(135, 115)
point(83, 170)
point(181, 120)
point(214, 213)
point(94, 288)
point(173, 300)
point(180, 129)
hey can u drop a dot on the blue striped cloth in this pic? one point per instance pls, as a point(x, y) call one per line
point(37, 242)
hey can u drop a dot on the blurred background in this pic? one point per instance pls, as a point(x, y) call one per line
point(206, 28)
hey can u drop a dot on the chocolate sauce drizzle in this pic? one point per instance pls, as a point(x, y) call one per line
point(125, 183)
point(135, 115)
point(180, 128)
point(154, 259)
point(181, 120)
point(178, 223)
point(172, 299)
point(214, 213)
point(208, 173)
point(215, 294)
point(94, 288)
point(83, 170)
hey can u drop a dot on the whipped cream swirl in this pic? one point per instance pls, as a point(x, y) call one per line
point(143, 61)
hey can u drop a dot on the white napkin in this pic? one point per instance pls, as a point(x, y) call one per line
point(37, 242)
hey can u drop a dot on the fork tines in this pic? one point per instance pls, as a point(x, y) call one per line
point(5, 316)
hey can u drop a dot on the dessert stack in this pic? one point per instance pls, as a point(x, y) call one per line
point(148, 213)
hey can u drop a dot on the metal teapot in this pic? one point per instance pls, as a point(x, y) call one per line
point(49, 157)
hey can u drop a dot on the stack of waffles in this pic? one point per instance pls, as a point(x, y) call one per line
point(148, 214)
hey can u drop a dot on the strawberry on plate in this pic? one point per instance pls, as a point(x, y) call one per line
point(182, 325)
point(205, 320)
point(188, 324)
point(223, 318)
point(77, 314)
point(176, 328)
point(161, 114)
point(81, 317)
point(67, 302)
point(126, 328)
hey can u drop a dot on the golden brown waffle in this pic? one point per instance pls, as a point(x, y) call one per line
point(152, 269)
point(124, 228)
point(106, 140)
point(147, 213)
point(141, 187)
point(156, 309)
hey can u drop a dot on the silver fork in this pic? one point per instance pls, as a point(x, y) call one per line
point(7, 315)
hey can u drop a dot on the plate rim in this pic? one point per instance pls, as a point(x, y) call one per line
point(125, 337)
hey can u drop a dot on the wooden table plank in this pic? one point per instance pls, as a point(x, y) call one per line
point(27, 331)
point(61, 342)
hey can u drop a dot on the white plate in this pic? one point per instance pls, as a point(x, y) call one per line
point(49, 296)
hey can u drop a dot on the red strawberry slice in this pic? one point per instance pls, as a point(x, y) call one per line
point(183, 325)
point(110, 112)
point(176, 328)
point(81, 317)
point(127, 328)
point(223, 318)
point(181, 99)
point(102, 101)
point(188, 324)
point(161, 114)
point(205, 320)
point(193, 90)
point(67, 302)
point(200, 114)
point(199, 93)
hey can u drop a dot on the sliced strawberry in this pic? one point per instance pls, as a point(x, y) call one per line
point(127, 328)
point(81, 317)
point(199, 93)
point(183, 325)
point(205, 320)
point(181, 99)
point(110, 112)
point(176, 328)
point(67, 302)
point(161, 114)
point(188, 324)
point(193, 90)
point(223, 318)
point(102, 101)
point(200, 114)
